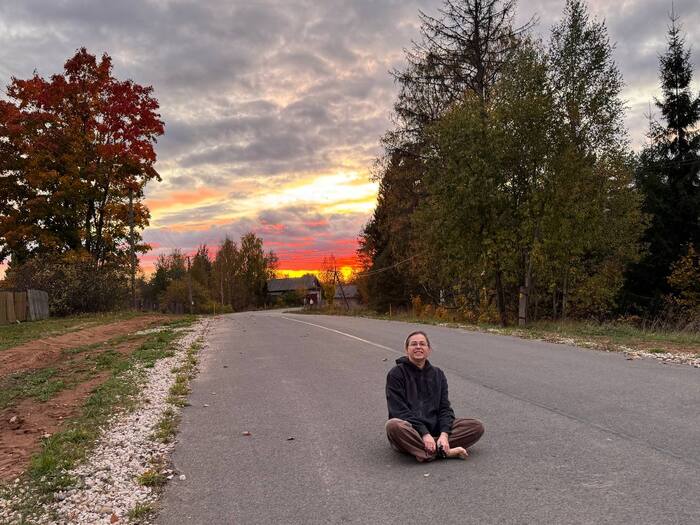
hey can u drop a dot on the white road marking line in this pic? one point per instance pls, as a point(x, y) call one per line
point(580, 420)
point(343, 333)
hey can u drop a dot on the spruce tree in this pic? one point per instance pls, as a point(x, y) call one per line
point(668, 176)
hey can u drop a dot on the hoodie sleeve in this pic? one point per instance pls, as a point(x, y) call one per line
point(396, 401)
point(446, 415)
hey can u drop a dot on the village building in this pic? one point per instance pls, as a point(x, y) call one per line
point(307, 288)
point(347, 297)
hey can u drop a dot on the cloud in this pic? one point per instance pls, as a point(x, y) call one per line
point(301, 237)
point(259, 98)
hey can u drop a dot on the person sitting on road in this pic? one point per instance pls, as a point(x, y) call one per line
point(421, 420)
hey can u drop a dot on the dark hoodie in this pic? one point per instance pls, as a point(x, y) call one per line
point(419, 396)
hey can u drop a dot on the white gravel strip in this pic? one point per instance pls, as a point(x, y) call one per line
point(665, 357)
point(108, 487)
point(630, 353)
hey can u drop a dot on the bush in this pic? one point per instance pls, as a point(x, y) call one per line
point(177, 293)
point(685, 282)
point(74, 282)
point(417, 304)
point(443, 314)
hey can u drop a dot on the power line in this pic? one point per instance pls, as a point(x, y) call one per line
point(380, 270)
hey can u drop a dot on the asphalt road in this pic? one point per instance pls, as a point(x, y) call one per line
point(572, 436)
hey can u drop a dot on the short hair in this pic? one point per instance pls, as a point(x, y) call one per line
point(417, 332)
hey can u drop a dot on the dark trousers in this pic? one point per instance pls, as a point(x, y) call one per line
point(404, 438)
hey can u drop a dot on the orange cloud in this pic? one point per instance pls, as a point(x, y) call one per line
point(179, 199)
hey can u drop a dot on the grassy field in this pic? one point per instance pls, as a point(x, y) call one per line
point(604, 336)
point(15, 334)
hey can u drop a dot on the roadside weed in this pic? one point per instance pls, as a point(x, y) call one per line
point(140, 511)
point(151, 478)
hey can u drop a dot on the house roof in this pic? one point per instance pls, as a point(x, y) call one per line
point(306, 282)
point(349, 289)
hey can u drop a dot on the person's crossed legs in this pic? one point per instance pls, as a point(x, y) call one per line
point(404, 438)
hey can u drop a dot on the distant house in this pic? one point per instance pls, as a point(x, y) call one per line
point(350, 293)
point(308, 288)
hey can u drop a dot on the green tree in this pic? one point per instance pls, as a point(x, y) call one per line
point(684, 281)
point(600, 223)
point(201, 269)
point(463, 50)
point(240, 272)
point(385, 242)
point(169, 267)
point(489, 186)
point(668, 175)
point(256, 269)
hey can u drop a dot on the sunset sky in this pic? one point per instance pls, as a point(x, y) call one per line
point(274, 109)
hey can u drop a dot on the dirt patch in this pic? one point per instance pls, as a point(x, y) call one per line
point(23, 426)
point(43, 352)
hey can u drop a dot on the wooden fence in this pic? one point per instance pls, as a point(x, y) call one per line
point(31, 305)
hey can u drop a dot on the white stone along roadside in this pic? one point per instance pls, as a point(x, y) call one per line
point(108, 486)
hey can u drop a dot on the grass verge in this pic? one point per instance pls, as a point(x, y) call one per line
point(609, 336)
point(166, 429)
point(48, 471)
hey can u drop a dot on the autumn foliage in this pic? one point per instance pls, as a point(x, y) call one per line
point(76, 151)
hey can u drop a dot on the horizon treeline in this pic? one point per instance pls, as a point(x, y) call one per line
point(508, 190)
point(232, 280)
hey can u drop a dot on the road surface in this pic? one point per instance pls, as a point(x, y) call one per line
point(572, 436)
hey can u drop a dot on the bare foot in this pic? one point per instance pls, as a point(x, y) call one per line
point(458, 452)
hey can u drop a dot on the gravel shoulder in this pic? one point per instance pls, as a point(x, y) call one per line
point(120, 478)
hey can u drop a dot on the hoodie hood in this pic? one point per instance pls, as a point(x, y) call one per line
point(404, 360)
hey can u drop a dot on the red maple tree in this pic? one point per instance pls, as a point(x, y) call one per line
point(76, 152)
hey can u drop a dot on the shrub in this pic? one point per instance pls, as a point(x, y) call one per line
point(74, 282)
point(417, 304)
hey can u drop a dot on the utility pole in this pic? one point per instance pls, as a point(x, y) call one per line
point(189, 284)
point(222, 265)
point(340, 283)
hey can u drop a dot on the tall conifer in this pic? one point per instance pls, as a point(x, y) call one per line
point(669, 177)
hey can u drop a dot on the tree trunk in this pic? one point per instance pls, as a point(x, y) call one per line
point(500, 296)
point(524, 298)
point(132, 249)
point(88, 225)
point(100, 213)
point(221, 284)
point(564, 295)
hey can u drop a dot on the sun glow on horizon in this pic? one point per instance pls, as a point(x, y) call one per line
point(345, 271)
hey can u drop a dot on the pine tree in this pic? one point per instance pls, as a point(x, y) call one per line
point(669, 177)
point(463, 50)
